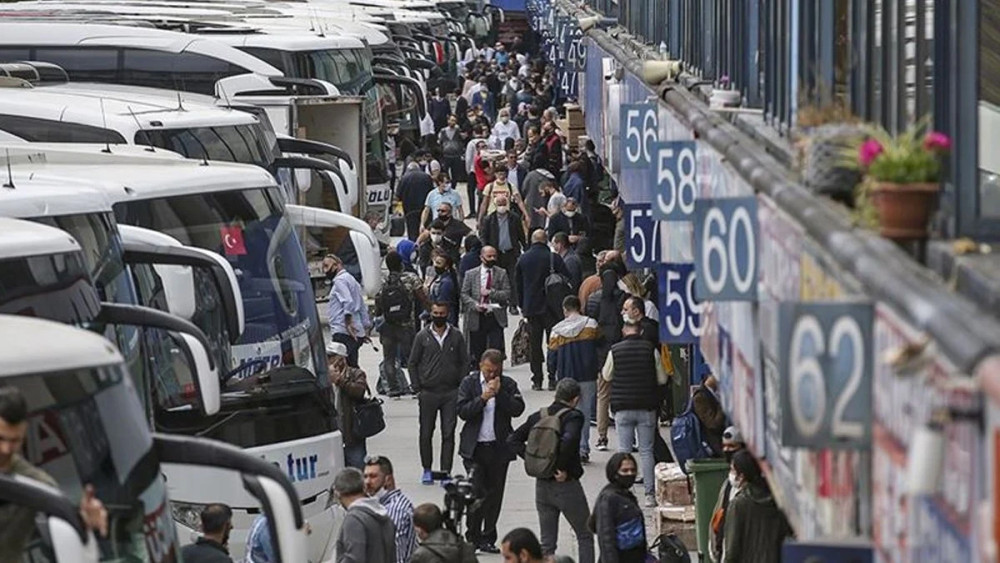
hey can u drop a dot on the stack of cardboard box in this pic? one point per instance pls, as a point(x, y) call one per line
point(573, 125)
point(675, 505)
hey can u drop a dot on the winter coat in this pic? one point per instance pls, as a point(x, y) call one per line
point(529, 278)
point(443, 546)
point(367, 534)
point(351, 388)
point(574, 341)
point(435, 367)
point(615, 506)
point(755, 527)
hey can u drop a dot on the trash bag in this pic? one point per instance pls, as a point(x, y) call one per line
point(520, 344)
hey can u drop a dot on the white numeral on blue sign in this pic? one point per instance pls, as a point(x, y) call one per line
point(642, 246)
point(726, 248)
point(680, 312)
point(675, 180)
point(639, 124)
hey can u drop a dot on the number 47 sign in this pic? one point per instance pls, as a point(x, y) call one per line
point(825, 352)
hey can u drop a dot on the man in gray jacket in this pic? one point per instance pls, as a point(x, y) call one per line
point(367, 533)
point(485, 297)
point(438, 362)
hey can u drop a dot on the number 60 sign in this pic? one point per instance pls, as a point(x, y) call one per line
point(825, 356)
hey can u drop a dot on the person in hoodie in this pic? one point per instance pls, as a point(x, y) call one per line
point(755, 527)
point(573, 343)
point(437, 543)
point(367, 534)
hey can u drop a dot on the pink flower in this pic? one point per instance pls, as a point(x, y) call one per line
point(937, 142)
point(870, 150)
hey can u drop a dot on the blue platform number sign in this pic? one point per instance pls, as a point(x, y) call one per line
point(562, 29)
point(639, 132)
point(576, 56)
point(642, 236)
point(567, 78)
point(674, 180)
point(725, 248)
point(825, 352)
point(680, 312)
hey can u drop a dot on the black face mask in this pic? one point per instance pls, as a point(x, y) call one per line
point(625, 481)
point(728, 456)
point(331, 273)
point(439, 269)
point(489, 263)
point(439, 321)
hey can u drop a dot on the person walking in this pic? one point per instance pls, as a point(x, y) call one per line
point(521, 545)
point(637, 378)
point(470, 258)
point(496, 190)
point(634, 312)
point(503, 230)
point(487, 401)
point(380, 483)
point(485, 297)
point(412, 192)
point(402, 294)
point(732, 442)
point(441, 283)
point(504, 129)
point(437, 543)
point(531, 192)
point(453, 140)
point(573, 342)
point(605, 305)
point(438, 361)
point(561, 246)
point(350, 385)
point(616, 511)
point(571, 221)
point(443, 193)
point(213, 545)
point(533, 268)
point(346, 310)
point(755, 527)
point(367, 534)
point(561, 491)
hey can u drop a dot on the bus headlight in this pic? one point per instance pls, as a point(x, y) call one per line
point(187, 514)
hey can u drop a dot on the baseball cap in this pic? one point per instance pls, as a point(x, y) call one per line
point(731, 435)
point(336, 349)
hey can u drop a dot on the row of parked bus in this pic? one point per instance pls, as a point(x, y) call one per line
point(171, 173)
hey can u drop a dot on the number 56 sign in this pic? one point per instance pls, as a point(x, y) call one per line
point(825, 352)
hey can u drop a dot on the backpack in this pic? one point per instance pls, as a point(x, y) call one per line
point(395, 300)
point(542, 447)
point(670, 549)
point(557, 287)
point(685, 437)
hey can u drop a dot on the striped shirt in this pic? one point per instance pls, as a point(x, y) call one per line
point(400, 511)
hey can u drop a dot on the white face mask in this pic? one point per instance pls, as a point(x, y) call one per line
point(502, 209)
point(628, 320)
point(733, 481)
point(569, 213)
point(435, 239)
point(504, 119)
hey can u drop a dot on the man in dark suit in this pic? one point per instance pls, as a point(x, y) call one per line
point(504, 230)
point(575, 224)
point(412, 191)
point(485, 297)
point(530, 274)
point(487, 402)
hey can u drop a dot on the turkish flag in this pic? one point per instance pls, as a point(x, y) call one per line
point(232, 241)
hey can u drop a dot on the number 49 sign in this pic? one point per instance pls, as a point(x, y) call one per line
point(825, 352)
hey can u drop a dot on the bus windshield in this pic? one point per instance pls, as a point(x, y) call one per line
point(249, 228)
point(86, 426)
point(246, 144)
point(52, 286)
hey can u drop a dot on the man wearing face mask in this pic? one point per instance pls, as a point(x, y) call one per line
point(452, 140)
point(503, 230)
point(452, 232)
point(438, 361)
point(443, 193)
point(380, 483)
point(367, 534)
point(571, 221)
point(732, 442)
point(213, 545)
point(504, 129)
point(634, 312)
point(347, 312)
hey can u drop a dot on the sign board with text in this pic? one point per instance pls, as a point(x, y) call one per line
point(642, 236)
point(680, 312)
point(674, 178)
point(725, 248)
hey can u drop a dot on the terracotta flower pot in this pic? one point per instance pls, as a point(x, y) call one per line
point(904, 210)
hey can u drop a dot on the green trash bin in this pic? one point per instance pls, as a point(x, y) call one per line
point(709, 476)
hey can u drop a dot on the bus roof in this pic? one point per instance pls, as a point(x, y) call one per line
point(37, 195)
point(25, 238)
point(124, 112)
point(40, 33)
point(131, 172)
point(28, 344)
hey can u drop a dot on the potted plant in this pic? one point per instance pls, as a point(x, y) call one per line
point(902, 174)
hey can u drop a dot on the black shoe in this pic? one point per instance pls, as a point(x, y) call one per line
point(552, 385)
point(470, 216)
point(536, 386)
point(487, 548)
point(584, 458)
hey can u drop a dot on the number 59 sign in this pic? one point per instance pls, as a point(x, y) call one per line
point(680, 312)
point(825, 352)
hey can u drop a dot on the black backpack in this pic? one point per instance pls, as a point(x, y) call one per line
point(557, 287)
point(395, 300)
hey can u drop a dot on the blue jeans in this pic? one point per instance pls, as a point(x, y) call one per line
point(628, 424)
point(588, 406)
point(354, 455)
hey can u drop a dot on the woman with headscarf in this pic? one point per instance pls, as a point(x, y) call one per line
point(617, 520)
point(755, 527)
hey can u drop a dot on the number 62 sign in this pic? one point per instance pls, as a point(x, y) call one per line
point(825, 353)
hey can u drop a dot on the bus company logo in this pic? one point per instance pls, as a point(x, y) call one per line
point(298, 469)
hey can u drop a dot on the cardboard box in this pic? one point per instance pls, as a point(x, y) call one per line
point(678, 520)
point(574, 116)
point(672, 486)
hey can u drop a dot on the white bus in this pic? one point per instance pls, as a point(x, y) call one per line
point(86, 427)
point(275, 400)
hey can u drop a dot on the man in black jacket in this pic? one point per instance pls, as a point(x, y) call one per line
point(503, 230)
point(487, 402)
point(562, 493)
point(211, 547)
point(438, 361)
point(634, 310)
point(530, 274)
point(412, 192)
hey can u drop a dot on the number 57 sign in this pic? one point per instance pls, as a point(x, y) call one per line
point(825, 352)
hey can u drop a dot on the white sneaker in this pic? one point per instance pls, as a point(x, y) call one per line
point(650, 501)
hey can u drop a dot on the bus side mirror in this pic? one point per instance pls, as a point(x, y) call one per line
point(206, 379)
point(63, 529)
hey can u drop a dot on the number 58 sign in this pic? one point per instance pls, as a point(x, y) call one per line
point(825, 352)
